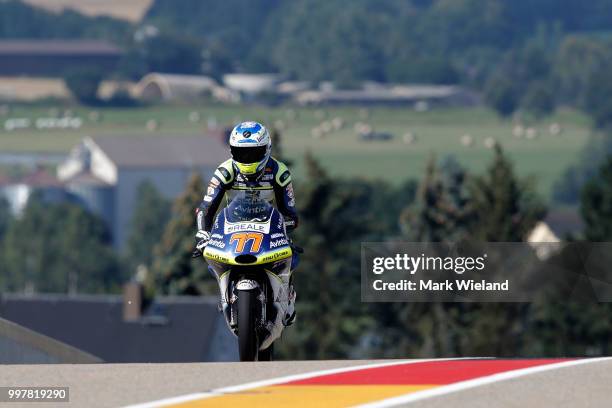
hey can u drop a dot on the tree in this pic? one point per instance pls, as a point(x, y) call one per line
point(578, 60)
point(174, 271)
point(277, 146)
point(442, 211)
point(84, 84)
point(151, 214)
point(501, 95)
point(597, 99)
point(596, 204)
point(507, 207)
point(539, 99)
point(5, 217)
point(173, 54)
point(335, 215)
point(59, 248)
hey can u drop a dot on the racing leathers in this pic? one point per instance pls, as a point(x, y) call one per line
point(274, 185)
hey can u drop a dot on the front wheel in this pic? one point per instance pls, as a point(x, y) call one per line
point(248, 343)
point(266, 355)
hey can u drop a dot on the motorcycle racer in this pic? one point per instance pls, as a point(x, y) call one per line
point(250, 168)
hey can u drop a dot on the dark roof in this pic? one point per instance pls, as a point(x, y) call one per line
point(4, 179)
point(40, 178)
point(163, 151)
point(58, 47)
point(564, 221)
point(178, 329)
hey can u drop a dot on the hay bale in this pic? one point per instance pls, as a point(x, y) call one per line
point(489, 143)
point(531, 133)
point(518, 131)
point(467, 140)
point(194, 117)
point(555, 129)
point(152, 125)
point(409, 138)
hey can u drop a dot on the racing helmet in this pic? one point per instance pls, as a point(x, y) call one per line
point(251, 146)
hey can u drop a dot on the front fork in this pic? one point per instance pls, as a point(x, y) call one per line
point(279, 283)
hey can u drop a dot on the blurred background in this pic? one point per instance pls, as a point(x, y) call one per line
point(422, 120)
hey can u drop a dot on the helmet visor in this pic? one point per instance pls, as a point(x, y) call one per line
point(247, 155)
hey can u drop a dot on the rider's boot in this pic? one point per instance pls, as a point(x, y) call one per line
point(291, 314)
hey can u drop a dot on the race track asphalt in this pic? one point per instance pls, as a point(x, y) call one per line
point(113, 385)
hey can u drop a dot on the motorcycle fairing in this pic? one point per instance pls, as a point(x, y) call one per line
point(272, 255)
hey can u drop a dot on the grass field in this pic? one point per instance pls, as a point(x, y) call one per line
point(438, 132)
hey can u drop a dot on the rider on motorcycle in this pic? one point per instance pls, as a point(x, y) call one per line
point(251, 167)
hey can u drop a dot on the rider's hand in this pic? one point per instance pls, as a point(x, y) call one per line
point(202, 238)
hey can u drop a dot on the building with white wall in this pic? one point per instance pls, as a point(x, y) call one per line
point(105, 172)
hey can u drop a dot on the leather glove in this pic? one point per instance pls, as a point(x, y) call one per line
point(202, 238)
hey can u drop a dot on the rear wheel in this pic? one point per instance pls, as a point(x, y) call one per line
point(247, 333)
point(266, 355)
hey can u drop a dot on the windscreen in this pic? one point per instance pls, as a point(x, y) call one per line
point(248, 206)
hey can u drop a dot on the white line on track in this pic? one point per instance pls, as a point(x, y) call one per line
point(390, 402)
point(464, 385)
point(273, 381)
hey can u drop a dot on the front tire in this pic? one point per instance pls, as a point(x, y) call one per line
point(266, 355)
point(248, 344)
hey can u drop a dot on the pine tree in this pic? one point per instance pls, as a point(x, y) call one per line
point(507, 207)
point(277, 146)
point(5, 217)
point(596, 204)
point(151, 214)
point(442, 211)
point(59, 248)
point(174, 271)
point(334, 216)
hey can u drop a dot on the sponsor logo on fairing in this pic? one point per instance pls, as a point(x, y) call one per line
point(246, 226)
point(216, 243)
point(277, 235)
point(278, 242)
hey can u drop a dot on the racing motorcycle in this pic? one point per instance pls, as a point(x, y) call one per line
point(250, 255)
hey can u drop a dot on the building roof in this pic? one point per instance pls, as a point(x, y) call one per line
point(132, 10)
point(380, 94)
point(40, 178)
point(58, 47)
point(180, 329)
point(162, 151)
point(86, 177)
point(174, 86)
point(564, 221)
point(4, 179)
point(251, 83)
